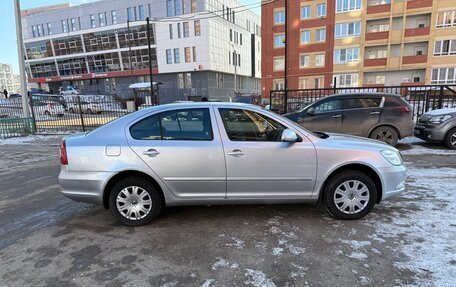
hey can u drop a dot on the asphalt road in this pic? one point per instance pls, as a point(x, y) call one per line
point(49, 240)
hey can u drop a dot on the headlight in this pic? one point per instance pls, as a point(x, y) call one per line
point(392, 157)
point(440, 119)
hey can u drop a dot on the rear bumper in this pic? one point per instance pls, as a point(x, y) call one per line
point(82, 186)
point(393, 180)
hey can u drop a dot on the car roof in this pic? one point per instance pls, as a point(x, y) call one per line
point(369, 94)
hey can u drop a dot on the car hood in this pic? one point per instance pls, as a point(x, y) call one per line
point(441, 112)
point(358, 142)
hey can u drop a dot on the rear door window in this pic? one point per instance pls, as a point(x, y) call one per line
point(185, 124)
point(362, 103)
point(328, 106)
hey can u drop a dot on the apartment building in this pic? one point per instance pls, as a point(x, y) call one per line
point(359, 43)
point(199, 47)
point(8, 80)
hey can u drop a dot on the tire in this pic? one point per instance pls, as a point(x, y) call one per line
point(71, 110)
point(385, 134)
point(132, 187)
point(89, 111)
point(360, 185)
point(47, 113)
point(450, 139)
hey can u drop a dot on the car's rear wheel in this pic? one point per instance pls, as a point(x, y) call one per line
point(385, 134)
point(47, 113)
point(450, 139)
point(135, 201)
point(350, 194)
point(71, 110)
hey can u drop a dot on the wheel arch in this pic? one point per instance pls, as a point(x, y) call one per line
point(386, 125)
point(364, 168)
point(129, 173)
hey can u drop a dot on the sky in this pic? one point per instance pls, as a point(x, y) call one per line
point(8, 46)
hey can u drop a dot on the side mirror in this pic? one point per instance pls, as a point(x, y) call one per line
point(311, 111)
point(289, 136)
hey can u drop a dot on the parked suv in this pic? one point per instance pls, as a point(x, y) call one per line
point(438, 126)
point(385, 117)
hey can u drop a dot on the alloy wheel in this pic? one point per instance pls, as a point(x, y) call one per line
point(351, 196)
point(453, 139)
point(385, 136)
point(134, 203)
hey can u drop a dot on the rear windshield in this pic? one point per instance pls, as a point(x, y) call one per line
point(393, 102)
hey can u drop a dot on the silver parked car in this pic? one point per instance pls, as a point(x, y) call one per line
point(223, 153)
point(438, 126)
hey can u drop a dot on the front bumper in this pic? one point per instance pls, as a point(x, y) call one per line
point(83, 186)
point(393, 180)
point(429, 133)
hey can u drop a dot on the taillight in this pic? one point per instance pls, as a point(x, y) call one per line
point(404, 109)
point(63, 154)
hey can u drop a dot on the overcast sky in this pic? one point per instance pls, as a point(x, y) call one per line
point(8, 47)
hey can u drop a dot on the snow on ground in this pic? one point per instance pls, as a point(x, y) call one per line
point(423, 224)
point(28, 139)
point(418, 147)
point(258, 279)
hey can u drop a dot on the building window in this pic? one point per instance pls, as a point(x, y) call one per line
point(49, 28)
point(240, 39)
point(305, 37)
point(305, 12)
point(279, 17)
point(279, 40)
point(92, 21)
point(188, 56)
point(347, 80)
point(40, 31)
point(65, 26)
point(279, 64)
point(348, 55)
point(303, 61)
point(379, 80)
point(445, 48)
point(178, 7)
point(321, 10)
point(345, 30)
point(303, 83)
point(114, 17)
point(321, 35)
point(197, 26)
point(169, 8)
point(179, 33)
point(317, 83)
point(176, 55)
point(446, 19)
point(170, 31)
point(194, 53)
point(73, 24)
point(320, 60)
point(101, 19)
point(279, 84)
point(186, 29)
point(142, 13)
point(131, 14)
point(443, 76)
point(193, 6)
point(348, 5)
point(169, 57)
point(34, 31)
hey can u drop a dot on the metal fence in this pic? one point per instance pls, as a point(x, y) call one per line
point(422, 98)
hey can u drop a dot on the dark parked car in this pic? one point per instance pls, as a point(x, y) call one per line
point(438, 126)
point(380, 116)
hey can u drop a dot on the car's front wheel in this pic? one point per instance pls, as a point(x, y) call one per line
point(450, 139)
point(350, 194)
point(135, 201)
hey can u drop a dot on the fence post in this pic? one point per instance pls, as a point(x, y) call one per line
point(335, 85)
point(285, 108)
point(270, 99)
point(80, 113)
point(441, 97)
point(33, 114)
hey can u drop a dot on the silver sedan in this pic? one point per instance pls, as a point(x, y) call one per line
point(223, 153)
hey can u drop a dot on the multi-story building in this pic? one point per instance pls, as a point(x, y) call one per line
point(359, 43)
point(8, 80)
point(198, 47)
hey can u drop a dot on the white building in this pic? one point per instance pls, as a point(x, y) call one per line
point(198, 47)
point(8, 80)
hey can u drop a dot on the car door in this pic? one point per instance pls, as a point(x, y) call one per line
point(183, 147)
point(361, 114)
point(327, 116)
point(258, 163)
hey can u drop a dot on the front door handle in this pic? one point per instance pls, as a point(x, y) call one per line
point(374, 113)
point(151, 152)
point(337, 116)
point(236, 153)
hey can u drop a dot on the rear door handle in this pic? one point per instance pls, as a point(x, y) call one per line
point(374, 113)
point(236, 153)
point(337, 116)
point(151, 152)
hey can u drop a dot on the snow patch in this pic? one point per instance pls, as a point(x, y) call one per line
point(357, 255)
point(277, 251)
point(258, 279)
point(208, 283)
point(27, 139)
point(223, 263)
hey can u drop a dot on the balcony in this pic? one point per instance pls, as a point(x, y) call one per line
point(376, 9)
point(414, 32)
point(407, 60)
point(417, 4)
point(377, 36)
point(375, 62)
